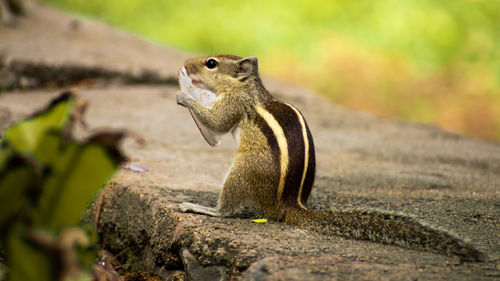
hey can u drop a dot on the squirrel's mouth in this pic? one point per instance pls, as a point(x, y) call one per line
point(196, 81)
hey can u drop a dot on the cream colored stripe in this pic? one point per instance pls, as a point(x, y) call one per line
point(306, 153)
point(282, 143)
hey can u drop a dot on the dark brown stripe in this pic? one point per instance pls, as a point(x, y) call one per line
point(311, 169)
point(292, 129)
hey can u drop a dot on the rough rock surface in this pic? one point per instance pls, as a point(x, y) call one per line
point(440, 178)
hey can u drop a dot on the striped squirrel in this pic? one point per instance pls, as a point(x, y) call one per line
point(274, 167)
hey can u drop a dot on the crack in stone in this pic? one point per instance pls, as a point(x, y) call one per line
point(19, 74)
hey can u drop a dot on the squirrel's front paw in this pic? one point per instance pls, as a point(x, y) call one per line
point(183, 98)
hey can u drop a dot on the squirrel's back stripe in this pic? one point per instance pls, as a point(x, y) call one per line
point(311, 168)
point(282, 144)
point(297, 180)
point(306, 153)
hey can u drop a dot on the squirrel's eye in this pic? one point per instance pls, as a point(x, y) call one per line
point(211, 63)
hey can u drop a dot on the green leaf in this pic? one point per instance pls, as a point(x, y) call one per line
point(46, 181)
point(6, 153)
point(77, 172)
point(3, 271)
point(25, 136)
point(15, 184)
point(27, 261)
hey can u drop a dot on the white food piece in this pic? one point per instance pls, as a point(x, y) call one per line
point(206, 98)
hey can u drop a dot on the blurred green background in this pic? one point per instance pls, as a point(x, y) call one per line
point(418, 60)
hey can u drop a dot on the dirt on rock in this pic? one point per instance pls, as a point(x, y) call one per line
point(439, 178)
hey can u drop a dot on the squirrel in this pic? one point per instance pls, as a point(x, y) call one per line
point(274, 167)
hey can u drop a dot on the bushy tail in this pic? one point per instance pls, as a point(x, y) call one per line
point(383, 228)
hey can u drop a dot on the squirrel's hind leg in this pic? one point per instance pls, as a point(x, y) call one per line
point(231, 199)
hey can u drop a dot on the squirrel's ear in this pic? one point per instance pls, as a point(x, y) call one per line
point(247, 66)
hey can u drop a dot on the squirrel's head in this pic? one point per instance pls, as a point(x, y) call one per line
point(219, 72)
